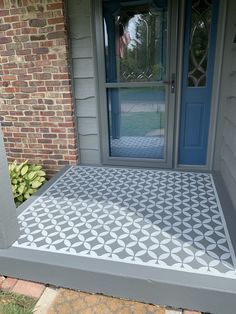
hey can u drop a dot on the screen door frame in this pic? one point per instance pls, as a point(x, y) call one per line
point(102, 87)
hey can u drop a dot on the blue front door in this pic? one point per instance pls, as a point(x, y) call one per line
point(198, 65)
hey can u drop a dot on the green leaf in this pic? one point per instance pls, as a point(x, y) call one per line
point(25, 180)
point(24, 170)
point(12, 166)
point(14, 188)
point(32, 175)
point(14, 181)
point(20, 198)
point(42, 179)
point(41, 173)
point(36, 168)
point(21, 189)
point(26, 195)
point(36, 184)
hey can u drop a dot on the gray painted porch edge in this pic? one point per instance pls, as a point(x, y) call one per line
point(8, 219)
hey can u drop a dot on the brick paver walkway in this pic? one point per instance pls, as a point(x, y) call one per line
point(65, 301)
point(82, 303)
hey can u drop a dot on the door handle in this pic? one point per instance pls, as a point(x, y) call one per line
point(171, 83)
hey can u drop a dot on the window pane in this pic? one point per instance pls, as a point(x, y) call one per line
point(137, 122)
point(199, 42)
point(135, 41)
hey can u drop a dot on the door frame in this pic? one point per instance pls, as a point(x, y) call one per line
point(215, 87)
point(102, 97)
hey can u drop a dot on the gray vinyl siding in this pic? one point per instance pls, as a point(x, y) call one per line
point(83, 69)
point(225, 153)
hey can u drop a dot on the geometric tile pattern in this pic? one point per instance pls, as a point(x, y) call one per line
point(164, 219)
point(138, 147)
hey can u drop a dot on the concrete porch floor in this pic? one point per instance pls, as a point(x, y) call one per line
point(162, 237)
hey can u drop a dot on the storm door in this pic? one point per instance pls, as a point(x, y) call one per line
point(139, 44)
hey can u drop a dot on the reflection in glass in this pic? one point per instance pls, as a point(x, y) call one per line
point(199, 42)
point(137, 122)
point(135, 41)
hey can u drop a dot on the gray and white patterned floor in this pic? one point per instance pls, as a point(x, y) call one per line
point(138, 147)
point(164, 219)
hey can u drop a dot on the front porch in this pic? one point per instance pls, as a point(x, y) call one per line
point(157, 236)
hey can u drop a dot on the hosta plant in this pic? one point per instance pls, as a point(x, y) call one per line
point(25, 180)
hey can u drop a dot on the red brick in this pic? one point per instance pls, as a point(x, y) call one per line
point(28, 30)
point(60, 27)
point(41, 50)
point(4, 12)
point(37, 37)
point(37, 111)
point(19, 24)
point(5, 27)
point(55, 6)
point(8, 53)
point(30, 289)
point(32, 58)
point(10, 19)
point(60, 76)
point(19, 83)
point(42, 76)
point(16, 11)
point(56, 20)
point(10, 90)
point(31, 45)
point(30, 90)
point(9, 77)
point(37, 23)
point(22, 96)
point(54, 35)
point(24, 52)
point(2, 4)
point(8, 284)
point(4, 40)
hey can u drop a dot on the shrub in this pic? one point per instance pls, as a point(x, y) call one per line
point(25, 180)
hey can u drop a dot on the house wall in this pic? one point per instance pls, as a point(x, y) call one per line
point(82, 53)
point(225, 152)
point(36, 107)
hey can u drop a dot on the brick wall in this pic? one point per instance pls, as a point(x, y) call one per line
point(36, 107)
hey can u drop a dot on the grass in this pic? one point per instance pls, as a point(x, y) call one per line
point(15, 304)
point(140, 123)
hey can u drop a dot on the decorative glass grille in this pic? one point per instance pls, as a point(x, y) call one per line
point(135, 41)
point(199, 42)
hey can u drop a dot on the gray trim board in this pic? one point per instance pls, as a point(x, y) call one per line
point(81, 39)
point(215, 295)
point(8, 220)
point(229, 211)
point(216, 86)
point(212, 294)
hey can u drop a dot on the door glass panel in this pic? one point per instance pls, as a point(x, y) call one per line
point(135, 40)
point(137, 120)
point(199, 42)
